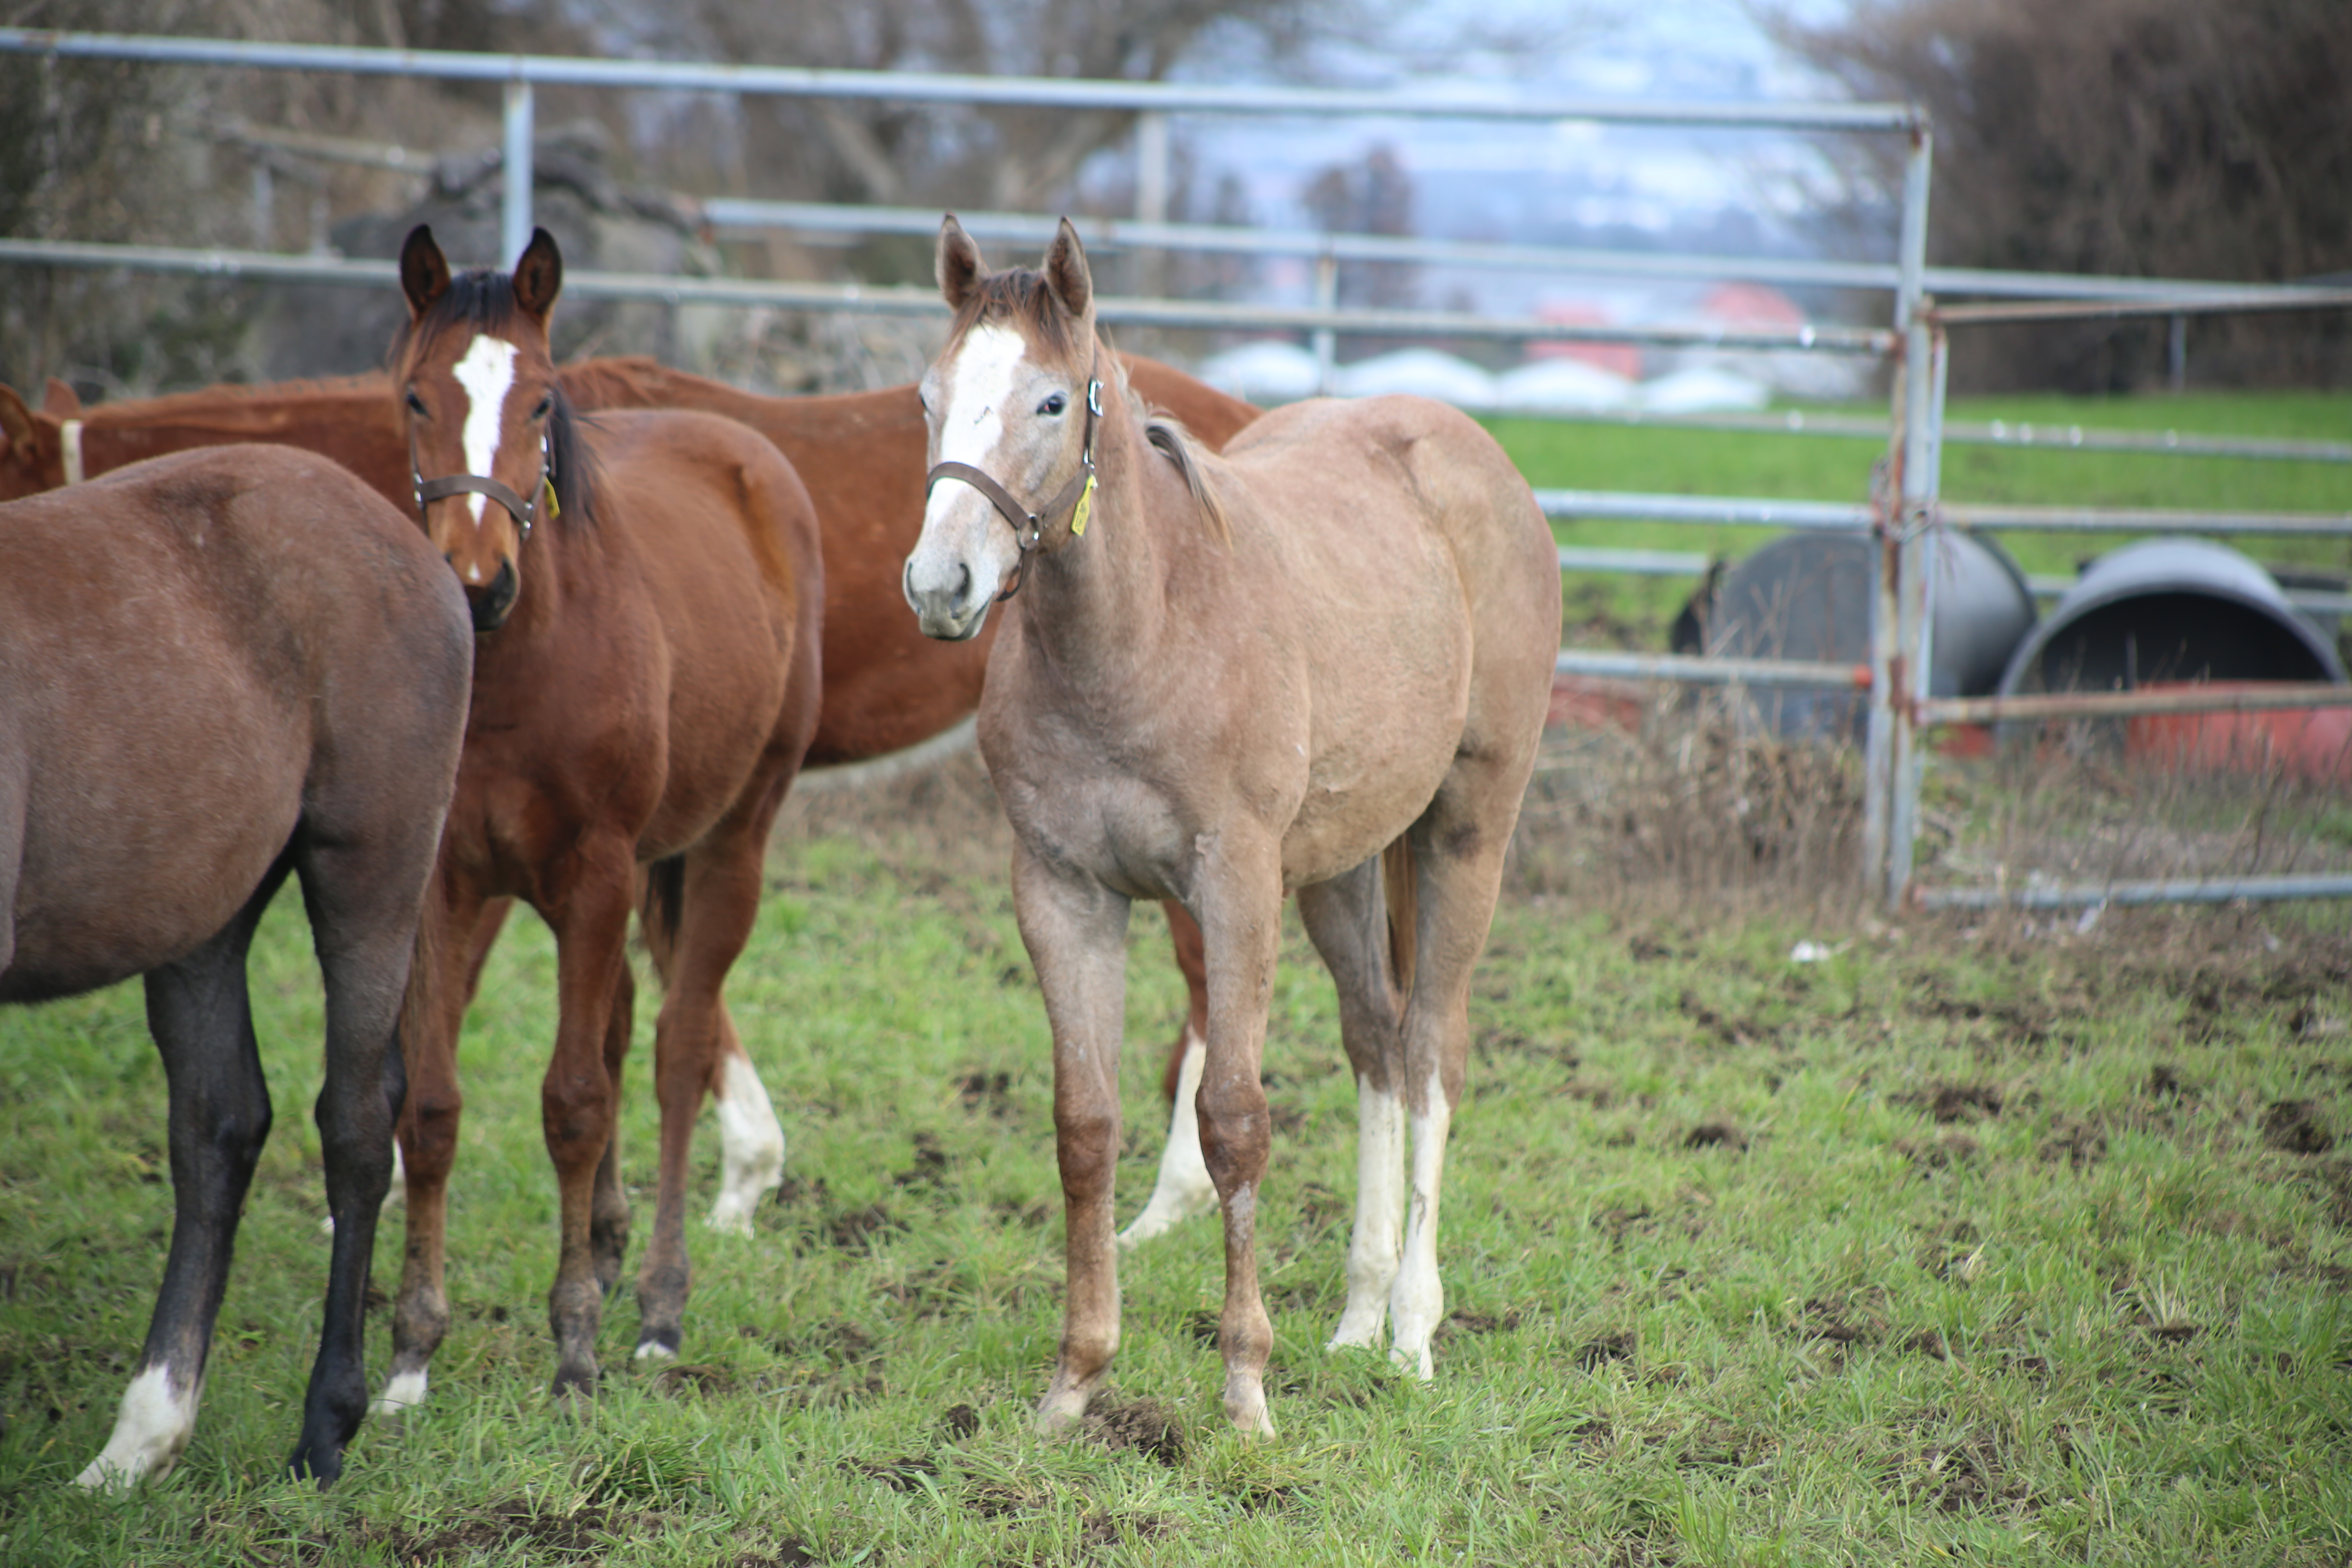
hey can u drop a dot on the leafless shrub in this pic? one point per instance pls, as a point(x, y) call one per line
point(2155, 138)
point(1700, 805)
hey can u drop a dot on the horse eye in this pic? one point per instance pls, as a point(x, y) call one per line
point(415, 404)
point(1054, 406)
point(546, 407)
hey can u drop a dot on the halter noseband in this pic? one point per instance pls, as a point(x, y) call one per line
point(1029, 527)
point(522, 511)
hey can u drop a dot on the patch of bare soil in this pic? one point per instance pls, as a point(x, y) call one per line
point(1949, 1102)
point(957, 1423)
point(1596, 1353)
point(1937, 1153)
point(515, 1524)
point(1716, 1135)
point(2296, 1127)
point(905, 1473)
point(684, 1381)
point(989, 1091)
point(1141, 1425)
point(1964, 1477)
point(2073, 1142)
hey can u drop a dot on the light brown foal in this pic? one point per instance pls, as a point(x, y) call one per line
point(1221, 681)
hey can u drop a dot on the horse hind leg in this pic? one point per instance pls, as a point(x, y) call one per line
point(202, 1024)
point(712, 906)
point(1346, 921)
point(364, 893)
point(750, 1139)
point(1183, 1188)
point(1457, 850)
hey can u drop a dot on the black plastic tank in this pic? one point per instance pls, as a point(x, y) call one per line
point(1809, 596)
point(2161, 610)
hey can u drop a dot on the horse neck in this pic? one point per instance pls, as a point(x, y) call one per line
point(1099, 604)
point(342, 420)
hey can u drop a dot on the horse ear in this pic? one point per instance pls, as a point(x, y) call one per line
point(16, 419)
point(424, 270)
point(1065, 272)
point(58, 399)
point(538, 277)
point(958, 266)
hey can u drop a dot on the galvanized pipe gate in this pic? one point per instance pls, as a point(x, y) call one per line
point(1903, 517)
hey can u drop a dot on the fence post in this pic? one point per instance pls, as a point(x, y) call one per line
point(1150, 197)
point(1911, 541)
point(1886, 746)
point(514, 217)
point(1327, 298)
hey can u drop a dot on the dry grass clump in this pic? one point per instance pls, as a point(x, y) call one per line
point(1697, 808)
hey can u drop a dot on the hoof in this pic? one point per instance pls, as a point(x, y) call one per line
point(574, 1390)
point(655, 1350)
point(1246, 1407)
point(1059, 1412)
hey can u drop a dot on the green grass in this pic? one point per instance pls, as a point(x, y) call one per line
point(1722, 1287)
point(1822, 467)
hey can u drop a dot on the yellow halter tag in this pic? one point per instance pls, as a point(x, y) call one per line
point(548, 483)
point(1086, 505)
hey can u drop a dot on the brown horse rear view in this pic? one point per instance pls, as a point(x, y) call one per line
point(648, 591)
point(1220, 681)
point(217, 669)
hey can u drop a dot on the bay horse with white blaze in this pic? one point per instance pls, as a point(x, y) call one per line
point(218, 669)
point(647, 590)
point(1319, 664)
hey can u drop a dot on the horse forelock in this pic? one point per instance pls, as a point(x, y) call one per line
point(481, 302)
point(1019, 298)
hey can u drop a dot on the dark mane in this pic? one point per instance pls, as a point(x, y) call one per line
point(481, 300)
point(1019, 295)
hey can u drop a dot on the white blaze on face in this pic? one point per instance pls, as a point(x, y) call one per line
point(156, 1422)
point(487, 372)
point(973, 412)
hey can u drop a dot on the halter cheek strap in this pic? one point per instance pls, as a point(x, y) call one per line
point(1029, 527)
point(522, 511)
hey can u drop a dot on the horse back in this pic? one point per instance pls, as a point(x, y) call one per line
point(196, 654)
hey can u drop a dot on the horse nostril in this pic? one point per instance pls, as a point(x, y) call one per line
point(964, 585)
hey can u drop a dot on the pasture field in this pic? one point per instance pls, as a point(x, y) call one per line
point(1995, 1241)
point(1961, 1242)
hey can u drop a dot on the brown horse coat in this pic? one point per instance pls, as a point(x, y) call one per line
point(649, 592)
point(218, 669)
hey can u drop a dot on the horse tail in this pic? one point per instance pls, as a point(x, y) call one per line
point(663, 905)
point(1404, 910)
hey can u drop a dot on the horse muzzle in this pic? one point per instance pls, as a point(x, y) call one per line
point(947, 604)
point(493, 602)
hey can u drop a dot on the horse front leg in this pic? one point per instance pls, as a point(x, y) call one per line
point(462, 923)
point(198, 1011)
point(577, 1098)
point(1075, 932)
point(1239, 902)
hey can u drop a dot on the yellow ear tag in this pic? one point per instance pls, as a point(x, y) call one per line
point(1086, 506)
point(553, 509)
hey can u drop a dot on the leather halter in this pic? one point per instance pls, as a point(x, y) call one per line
point(522, 511)
point(1029, 527)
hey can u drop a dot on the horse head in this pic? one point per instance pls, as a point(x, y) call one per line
point(1012, 404)
point(489, 432)
point(32, 455)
